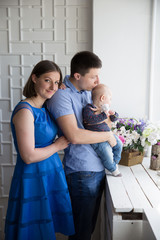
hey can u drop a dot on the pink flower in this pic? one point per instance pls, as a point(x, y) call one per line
point(121, 138)
point(158, 143)
point(153, 157)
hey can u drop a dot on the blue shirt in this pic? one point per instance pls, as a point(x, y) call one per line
point(77, 157)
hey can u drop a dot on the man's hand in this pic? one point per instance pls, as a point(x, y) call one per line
point(112, 141)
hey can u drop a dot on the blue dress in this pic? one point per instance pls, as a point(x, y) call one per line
point(39, 202)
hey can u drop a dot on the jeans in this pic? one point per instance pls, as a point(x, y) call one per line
point(85, 190)
point(108, 155)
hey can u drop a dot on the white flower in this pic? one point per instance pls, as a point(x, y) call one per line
point(132, 137)
point(135, 136)
point(122, 130)
point(152, 133)
point(143, 141)
point(128, 141)
point(153, 137)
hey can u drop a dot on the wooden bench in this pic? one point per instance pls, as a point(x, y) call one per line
point(126, 199)
point(151, 224)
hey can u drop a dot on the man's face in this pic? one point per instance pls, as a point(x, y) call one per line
point(89, 80)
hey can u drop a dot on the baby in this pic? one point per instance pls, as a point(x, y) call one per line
point(98, 117)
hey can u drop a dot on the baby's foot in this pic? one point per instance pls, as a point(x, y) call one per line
point(116, 173)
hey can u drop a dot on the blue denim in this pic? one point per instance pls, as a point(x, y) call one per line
point(108, 155)
point(85, 190)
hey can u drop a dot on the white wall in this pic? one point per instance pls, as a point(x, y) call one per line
point(122, 34)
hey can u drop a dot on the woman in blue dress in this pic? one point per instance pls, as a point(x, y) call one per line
point(39, 202)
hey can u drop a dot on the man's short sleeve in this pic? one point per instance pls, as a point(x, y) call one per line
point(60, 104)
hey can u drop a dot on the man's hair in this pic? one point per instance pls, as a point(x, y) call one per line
point(40, 68)
point(83, 61)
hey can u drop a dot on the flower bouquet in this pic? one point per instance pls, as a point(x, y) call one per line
point(151, 136)
point(130, 132)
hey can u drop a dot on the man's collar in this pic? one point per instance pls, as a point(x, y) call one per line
point(68, 84)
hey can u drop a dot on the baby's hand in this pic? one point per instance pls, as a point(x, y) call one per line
point(111, 112)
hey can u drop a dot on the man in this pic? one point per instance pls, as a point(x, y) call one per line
point(84, 171)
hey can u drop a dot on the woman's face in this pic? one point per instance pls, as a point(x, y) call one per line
point(47, 84)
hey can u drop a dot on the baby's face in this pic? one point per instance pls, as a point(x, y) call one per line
point(107, 99)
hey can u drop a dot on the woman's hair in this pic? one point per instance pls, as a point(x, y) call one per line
point(83, 61)
point(40, 68)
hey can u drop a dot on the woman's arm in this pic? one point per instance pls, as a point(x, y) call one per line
point(75, 135)
point(24, 127)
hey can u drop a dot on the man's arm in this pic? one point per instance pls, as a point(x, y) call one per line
point(75, 135)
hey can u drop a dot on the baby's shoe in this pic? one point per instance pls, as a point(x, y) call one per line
point(116, 173)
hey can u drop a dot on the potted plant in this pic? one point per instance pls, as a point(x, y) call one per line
point(130, 131)
point(151, 137)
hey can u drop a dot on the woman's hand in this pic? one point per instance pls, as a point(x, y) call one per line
point(63, 86)
point(61, 143)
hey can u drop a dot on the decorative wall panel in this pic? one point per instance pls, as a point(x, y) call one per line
point(30, 31)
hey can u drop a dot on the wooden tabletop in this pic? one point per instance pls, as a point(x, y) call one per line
point(138, 188)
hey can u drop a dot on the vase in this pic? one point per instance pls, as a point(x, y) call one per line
point(129, 158)
point(147, 151)
point(155, 157)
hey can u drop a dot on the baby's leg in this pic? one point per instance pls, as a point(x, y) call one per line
point(104, 151)
point(117, 150)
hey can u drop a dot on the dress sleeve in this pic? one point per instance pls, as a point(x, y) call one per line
point(20, 106)
point(90, 118)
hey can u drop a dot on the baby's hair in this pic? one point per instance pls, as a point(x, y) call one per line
point(99, 90)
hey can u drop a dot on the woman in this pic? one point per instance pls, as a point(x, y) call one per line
point(39, 203)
